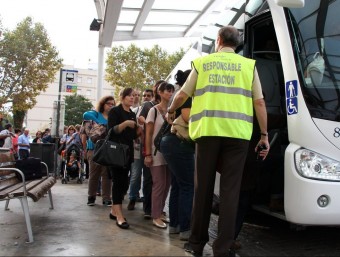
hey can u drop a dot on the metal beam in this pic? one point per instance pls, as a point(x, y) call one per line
point(100, 5)
point(208, 9)
point(143, 14)
point(109, 11)
point(127, 36)
point(111, 16)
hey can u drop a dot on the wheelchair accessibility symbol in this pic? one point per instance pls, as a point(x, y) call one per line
point(291, 97)
point(292, 106)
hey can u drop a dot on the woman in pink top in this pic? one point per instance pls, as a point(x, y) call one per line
point(17, 133)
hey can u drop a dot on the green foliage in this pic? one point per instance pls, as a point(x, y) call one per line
point(28, 63)
point(137, 68)
point(75, 106)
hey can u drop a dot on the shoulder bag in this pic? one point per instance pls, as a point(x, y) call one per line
point(92, 129)
point(97, 131)
point(160, 133)
point(110, 153)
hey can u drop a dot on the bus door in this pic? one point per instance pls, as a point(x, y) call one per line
point(260, 44)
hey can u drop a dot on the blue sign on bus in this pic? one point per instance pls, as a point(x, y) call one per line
point(291, 97)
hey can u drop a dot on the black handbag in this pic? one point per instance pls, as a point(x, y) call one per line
point(110, 153)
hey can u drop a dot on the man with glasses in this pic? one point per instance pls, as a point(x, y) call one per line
point(137, 165)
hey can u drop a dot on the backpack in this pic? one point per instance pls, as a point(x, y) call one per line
point(143, 138)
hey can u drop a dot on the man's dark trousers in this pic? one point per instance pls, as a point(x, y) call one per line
point(228, 154)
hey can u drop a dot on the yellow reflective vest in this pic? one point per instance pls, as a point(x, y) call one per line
point(222, 105)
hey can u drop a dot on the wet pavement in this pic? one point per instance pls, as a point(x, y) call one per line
point(75, 229)
point(263, 235)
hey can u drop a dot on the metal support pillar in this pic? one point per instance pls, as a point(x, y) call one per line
point(100, 77)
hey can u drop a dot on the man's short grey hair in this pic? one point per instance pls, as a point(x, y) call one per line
point(229, 36)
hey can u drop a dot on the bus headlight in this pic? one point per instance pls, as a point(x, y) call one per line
point(312, 165)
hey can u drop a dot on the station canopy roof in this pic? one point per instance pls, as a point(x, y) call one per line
point(126, 20)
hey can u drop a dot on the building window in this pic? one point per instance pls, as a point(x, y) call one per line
point(88, 92)
point(89, 80)
point(79, 79)
point(79, 91)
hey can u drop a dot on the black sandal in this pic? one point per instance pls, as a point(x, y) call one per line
point(123, 225)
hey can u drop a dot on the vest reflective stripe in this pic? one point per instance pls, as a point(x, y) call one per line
point(222, 103)
point(221, 114)
point(222, 89)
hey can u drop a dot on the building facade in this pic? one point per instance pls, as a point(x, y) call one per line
point(43, 114)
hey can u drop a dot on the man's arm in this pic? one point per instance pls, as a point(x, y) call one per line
point(261, 115)
point(178, 101)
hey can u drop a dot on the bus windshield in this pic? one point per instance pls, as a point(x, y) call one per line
point(315, 33)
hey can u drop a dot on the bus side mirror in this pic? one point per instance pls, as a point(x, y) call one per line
point(291, 3)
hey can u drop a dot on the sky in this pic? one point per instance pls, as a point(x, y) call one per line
point(68, 25)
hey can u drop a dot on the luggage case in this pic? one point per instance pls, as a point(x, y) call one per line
point(31, 167)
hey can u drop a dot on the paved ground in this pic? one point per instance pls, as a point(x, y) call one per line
point(74, 229)
point(263, 235)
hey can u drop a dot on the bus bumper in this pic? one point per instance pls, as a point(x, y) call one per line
point(309, 201)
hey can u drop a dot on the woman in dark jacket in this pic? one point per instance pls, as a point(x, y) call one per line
point(123, 122)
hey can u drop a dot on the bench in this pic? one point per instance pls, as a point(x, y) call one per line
point(11, 187)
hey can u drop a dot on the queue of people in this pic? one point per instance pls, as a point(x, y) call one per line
point(219, 122)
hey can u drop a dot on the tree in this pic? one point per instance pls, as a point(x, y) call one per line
point(137, 68)
point(75, 106)
point(28, 63)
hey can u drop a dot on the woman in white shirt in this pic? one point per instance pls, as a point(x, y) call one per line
point(160, 172)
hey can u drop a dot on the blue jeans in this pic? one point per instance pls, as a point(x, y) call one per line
point(180, 158)
point(147, 189)
point(135, 178)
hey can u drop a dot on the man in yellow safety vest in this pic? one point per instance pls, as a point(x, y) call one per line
point(225, 88)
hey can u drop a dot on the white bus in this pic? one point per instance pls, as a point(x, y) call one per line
point(296, 45)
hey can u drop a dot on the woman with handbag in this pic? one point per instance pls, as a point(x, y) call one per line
point(122, 121)
point(154, 159)
point(97, 172)
point(179, 154)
